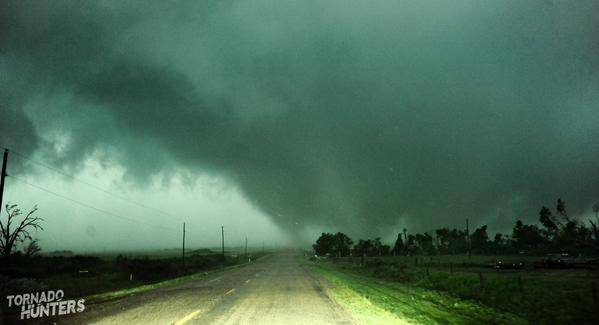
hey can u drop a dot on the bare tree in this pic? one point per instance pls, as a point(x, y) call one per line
point(32, 248)
point(15, 231)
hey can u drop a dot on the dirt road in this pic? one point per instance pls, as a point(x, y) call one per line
point(274, 290)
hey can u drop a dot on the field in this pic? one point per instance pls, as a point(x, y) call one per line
point(124, 272)
point(534, 295)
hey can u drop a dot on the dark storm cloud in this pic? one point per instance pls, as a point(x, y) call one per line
point(16, 128)
point(343, 114)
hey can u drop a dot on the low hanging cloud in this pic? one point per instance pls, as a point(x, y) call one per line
point(355, 115)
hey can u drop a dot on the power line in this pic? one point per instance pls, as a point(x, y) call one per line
point(88, 205)
point(96, 187)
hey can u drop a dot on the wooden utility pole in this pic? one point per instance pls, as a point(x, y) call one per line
point(246, 247)
point(222, 233)
point(468, 237)
point(3, 175)
point(183, 255)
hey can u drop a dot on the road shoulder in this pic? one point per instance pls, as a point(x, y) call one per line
point(375, 301)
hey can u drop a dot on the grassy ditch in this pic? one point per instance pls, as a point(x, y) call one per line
point(374, 301)
point(101, 279)
point(163, 284)
point(538, 296)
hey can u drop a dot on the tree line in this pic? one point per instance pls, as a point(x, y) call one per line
point(556, 232)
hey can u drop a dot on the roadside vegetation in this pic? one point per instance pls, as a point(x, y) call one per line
point(544, 273)
point(25, 268)
point(375, 301)
point(538, 296)
point(86, 275)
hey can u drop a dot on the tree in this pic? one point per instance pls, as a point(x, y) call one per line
point(425, 243)
point(371, 247)
point(458, 241)
point(324, 244)
point(399, 247)
point(384, 250)
point(479, 239)
point(594, 235)
point(341, 244)
point(527, 236)
point(549, 222)
point(443, 240)
point(14, 231)
point(32, 248)
point(338, 244)
point(561, 208)
point(364, 248)
point(574, 237)
point(379, 248)
point(500, 244)
point(411, 246)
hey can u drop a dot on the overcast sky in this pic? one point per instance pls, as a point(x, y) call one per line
point(295, 117)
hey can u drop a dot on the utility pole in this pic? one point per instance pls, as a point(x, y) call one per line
point(222, 233)
point(3, 175)
point(246, 247)
point(468, 237)
point(183, 257)
point(263, 247)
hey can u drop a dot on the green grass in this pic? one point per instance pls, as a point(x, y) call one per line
point(144, 288)
point(361, 308)
point(111, 295)
point(105, 278)
point(545, 297)
point(460, 259)
point(374, 301)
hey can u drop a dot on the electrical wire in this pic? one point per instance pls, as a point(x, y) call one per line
point(89, 206)
point(91, 185)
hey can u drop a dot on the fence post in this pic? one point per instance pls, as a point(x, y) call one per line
point(594, 292)
point(520, 286)
point(481, 279)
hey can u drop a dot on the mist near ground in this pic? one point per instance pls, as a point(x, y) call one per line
point(363, 117)
point(134, 220)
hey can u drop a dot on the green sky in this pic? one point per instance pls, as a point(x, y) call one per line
point(302, 116)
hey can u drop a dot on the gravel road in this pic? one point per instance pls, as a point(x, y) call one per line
point(272, 290)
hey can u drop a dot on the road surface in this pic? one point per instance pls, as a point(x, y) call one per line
point(273, 290)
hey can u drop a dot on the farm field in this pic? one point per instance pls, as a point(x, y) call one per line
point(85, 275)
